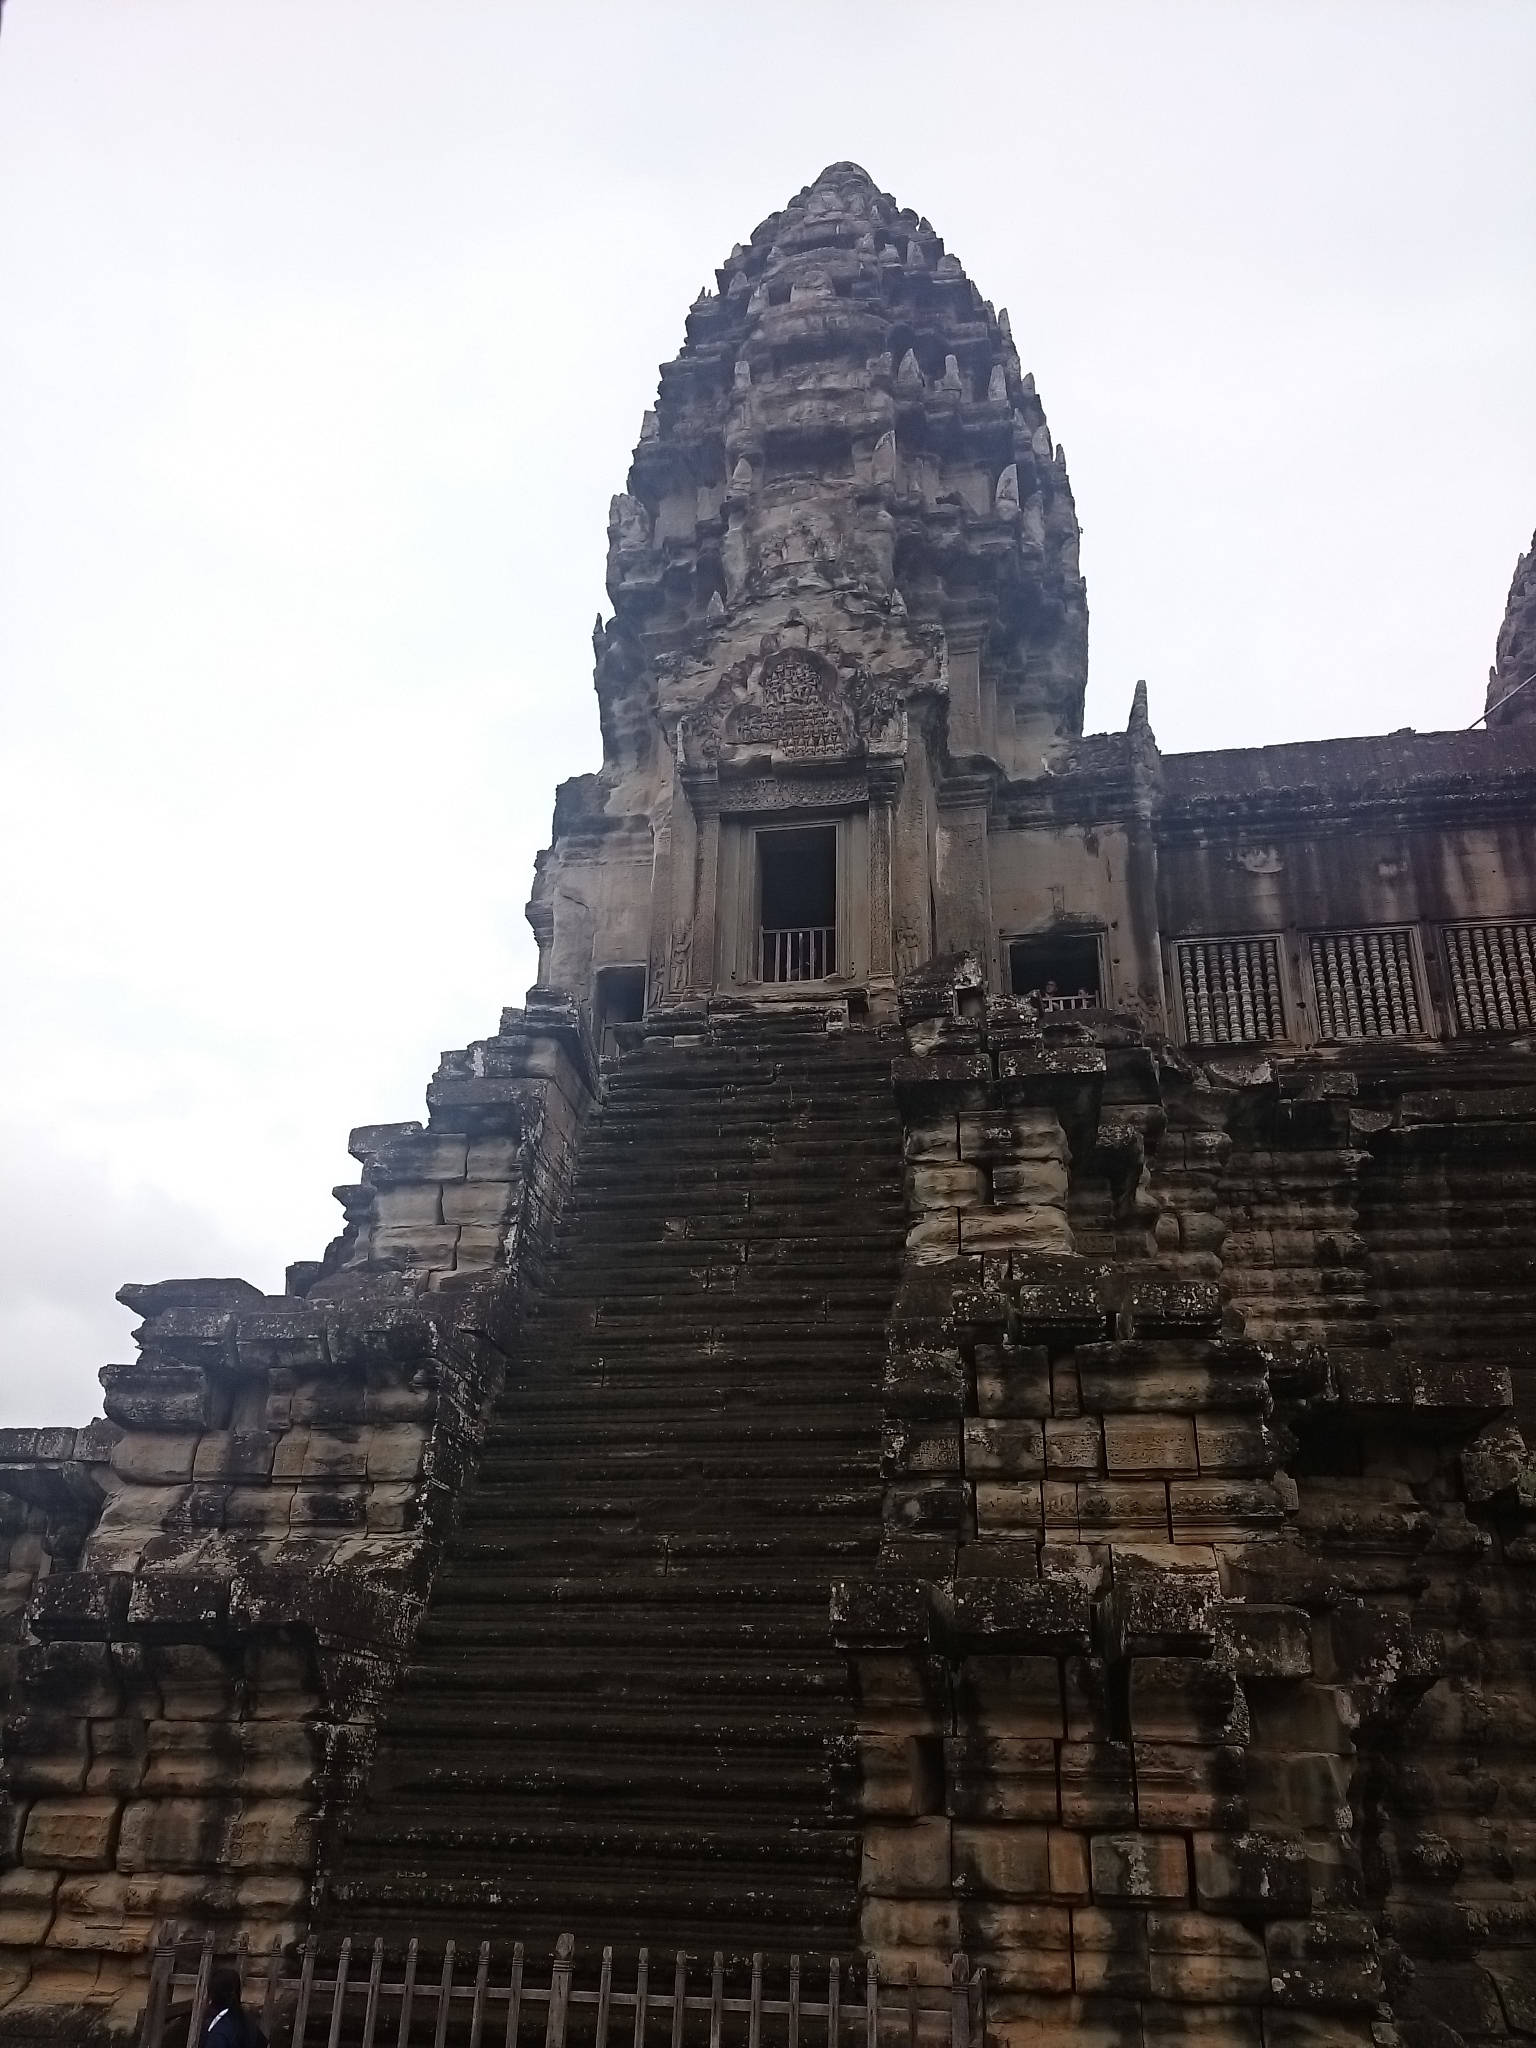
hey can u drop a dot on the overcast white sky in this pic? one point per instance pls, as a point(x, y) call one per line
point(325, 331)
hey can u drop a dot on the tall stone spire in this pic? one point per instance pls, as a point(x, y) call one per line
point(848, 418)
point(1511, 688)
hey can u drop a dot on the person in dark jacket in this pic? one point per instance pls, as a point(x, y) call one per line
point(229, 2024)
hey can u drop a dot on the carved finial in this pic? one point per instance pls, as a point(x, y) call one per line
point(599, 637)
point(898, 604)
point(915, 254)
point(650, 427)
point(1061, 455)
point(997, 385)
point(1005, 325)
point(1006, 498)
point(743, 375)
point(910, 376)
point(1139, 722)
point(951, 378)
point(715, 609)
point(883, 461)
point(741, 475)
point(1029, 383)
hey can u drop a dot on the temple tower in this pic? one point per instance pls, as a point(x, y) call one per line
point(844, 577)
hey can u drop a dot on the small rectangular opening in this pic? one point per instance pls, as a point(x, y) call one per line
point(1060, 973)
point(619, 999)
point(797, 898)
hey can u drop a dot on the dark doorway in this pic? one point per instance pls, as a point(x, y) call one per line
point(620, 1000)
point(1057, 973)
point(797, 895)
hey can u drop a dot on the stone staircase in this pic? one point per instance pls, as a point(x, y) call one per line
point(624, 1714)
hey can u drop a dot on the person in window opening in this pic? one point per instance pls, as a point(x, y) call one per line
point(1049, 989)
point(229, 2025)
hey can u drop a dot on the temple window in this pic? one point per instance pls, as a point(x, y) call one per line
point(1061, 972)
point(797, 904)
point(1365, 985)
point(619, 998)
point(1492, 973)
point(1229, 990)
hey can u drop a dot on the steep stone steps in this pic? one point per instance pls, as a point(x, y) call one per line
point(623, 1714)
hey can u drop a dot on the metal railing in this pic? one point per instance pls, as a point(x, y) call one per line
point(802, 953)
point(361, 2004)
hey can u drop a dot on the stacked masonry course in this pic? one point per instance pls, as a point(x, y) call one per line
point(958, 1378)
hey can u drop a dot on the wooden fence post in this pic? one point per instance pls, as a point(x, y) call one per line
point(306, 1984)
point(872, 2004)
point(444, 1998)
point(559, 1991)
point(642, 1996)
point(407, 1994)
point(834, 1999)
point(515, 1997)
point(343, 1965)
point(159, 1994)
point(755, 2016)
point(959, 2001)
point(482, 1977)
point(375, 1979)
point(604, 1997)
point(200, 1993)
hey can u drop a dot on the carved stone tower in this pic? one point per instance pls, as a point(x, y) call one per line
point(846, 604)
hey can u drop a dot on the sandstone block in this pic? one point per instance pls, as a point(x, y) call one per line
point(1004, 1506)
point(26, 1909)
point(1150, 1443)
point(271, 1834)
point(1109, 1951)
point(496, 1158)
point(888, 1925)
point(1013, 1381)
point(905, 1862)
point(1040, 1230)
point(234, 1454)
point(258, 1510)
point(1000, 1777)
point(934, 1237)
point(1209, 2026)
point(1068, 1855)
point(947, 1186)
point(1074, 1446)
point(1003, 1448)
point(1001, 1136)
point(1007, 1862)
point(1251, 1873)
point(79, 1833)
point(1186, 1699)
point(1017, 1696)
point(1023, 1948)
point(337, 1453)
point(1030, 1181)
point(485, 1204)
point(1141, 1868)
point(1085, 1685)
point(899, 1777)
point(1134, 1506)
point(1329, 1963)
point(1182, 1785)
point(1097, 1788)
point(118, 1750)
point(154, 1457)
point(1223, 1510)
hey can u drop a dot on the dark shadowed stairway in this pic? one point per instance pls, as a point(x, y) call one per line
point(624, 1712)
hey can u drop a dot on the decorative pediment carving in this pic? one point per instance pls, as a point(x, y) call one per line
point(795, 709)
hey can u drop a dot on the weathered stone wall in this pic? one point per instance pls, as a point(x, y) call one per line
point(212, 1592)
point(1191, 1695)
